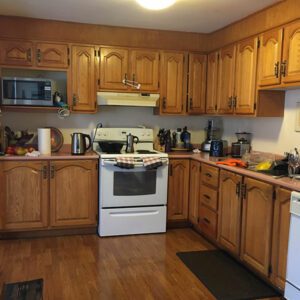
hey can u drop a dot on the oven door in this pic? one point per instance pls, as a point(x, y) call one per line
point(132, 187)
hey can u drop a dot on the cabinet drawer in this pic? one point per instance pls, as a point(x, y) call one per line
point(208, 221)
point(210, 175)
point(209, 197)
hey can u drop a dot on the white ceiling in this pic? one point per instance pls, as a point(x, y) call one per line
point(185, 15)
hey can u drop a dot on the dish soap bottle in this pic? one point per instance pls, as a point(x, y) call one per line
point(186, 138)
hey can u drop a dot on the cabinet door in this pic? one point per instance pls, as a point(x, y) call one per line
point(172, 80)
point(52, 55)
point(73, 192)
point(245, 77)
point(83, 78)
point(16, 53)
point(281, 228)
point(226, 71)
point(195, 171)
point(230, 209)
point(197, 83)
point(24, 195)
point(178, 189)
point(291, 53)
point(144, 69)
point(270, 57)
point(212, 81)
point(257, 225)
point(113, 68)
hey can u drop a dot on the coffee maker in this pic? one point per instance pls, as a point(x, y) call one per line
point(212, 133)
point(239, 148)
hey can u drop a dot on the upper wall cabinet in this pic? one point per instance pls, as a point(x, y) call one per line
point(29, 54)
point(83, 78)
point(231, 79)
point(140, 66)
point(279, 62)
point(197, 83)
point(173, 76)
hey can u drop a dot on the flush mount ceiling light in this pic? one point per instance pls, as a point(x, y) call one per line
point(155, 4)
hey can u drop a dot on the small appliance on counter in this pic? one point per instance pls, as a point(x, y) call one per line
point(212, 133)
point(78, 143)
point(218, 148)
point(239, 148)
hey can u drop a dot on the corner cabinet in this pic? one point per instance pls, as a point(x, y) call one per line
point(173, 78)
point(29, 188)
point(73, 193)
point(83, 79)
point(178, 189)
point(24, 195)
point(257, 224)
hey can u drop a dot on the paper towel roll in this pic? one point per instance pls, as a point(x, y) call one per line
point(44, 140)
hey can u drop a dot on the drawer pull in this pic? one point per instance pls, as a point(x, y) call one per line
point(206, 196)
point(208, 175)
point(206, 220)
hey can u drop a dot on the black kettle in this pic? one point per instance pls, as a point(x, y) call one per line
point(78, 144)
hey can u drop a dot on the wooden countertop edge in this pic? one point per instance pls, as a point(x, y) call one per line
point(284, 182)
point(53, 156)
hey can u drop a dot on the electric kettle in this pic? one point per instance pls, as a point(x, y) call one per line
point(78, 144)
point(130, 139)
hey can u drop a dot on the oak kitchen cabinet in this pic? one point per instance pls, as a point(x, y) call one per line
point(194, 198)
point(231, 86)
point(230, 211)
point(279, 56)
point(208, 207)
point(281, 226)
point(196, 83)
point(31, 54)
point(178, 189)
point(257, 224)
point(83, 78)
point(71, 192)
point(173, 82)
point(138, 65)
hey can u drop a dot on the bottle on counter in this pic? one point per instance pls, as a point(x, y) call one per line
point(186, 138)
point(168, 141)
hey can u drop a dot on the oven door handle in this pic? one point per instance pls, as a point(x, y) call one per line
point(134, 213)
point(136, 164)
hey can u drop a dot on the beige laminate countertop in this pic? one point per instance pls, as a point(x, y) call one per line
point(286, 182)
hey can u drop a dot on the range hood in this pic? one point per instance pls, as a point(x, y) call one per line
point(128, 99)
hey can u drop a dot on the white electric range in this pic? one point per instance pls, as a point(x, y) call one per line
point(131, 201)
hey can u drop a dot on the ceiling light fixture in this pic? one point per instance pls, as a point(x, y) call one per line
point(155, 4)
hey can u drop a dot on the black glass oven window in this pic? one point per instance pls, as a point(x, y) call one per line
point(135, 183)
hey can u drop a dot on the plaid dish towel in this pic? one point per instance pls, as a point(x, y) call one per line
point(152, 163)
point(125, 162)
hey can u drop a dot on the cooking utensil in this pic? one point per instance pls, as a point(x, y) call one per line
point(110, 147)
point(57, 139)
point(130, 140)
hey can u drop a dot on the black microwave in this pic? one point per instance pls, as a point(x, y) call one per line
point(26, 91)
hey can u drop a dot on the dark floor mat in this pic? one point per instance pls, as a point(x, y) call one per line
point(25, 290)
point(224, 277)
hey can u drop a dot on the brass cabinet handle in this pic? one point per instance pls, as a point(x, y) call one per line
point(28, 54)
point(206, 220)
point(74, 99)
point(244, 191)
point(230, 102)
point(234, 101)
point(283, 68)
point(52, 172)
point(208, 175)
point(164, 104)
point(45, 172)
point(238, 189)
point(39, 55)
point(276, 69)
point(206, 196)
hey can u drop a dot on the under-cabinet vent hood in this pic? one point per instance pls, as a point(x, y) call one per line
point(127, 99)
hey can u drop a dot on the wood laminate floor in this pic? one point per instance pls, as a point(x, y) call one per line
point(88, 267)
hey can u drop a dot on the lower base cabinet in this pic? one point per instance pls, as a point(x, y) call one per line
point(257, 224)
point(178, 189)
point(29, 188)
